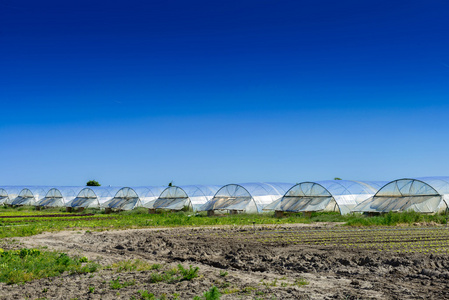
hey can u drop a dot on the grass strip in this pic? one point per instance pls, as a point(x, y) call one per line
point(23, 265)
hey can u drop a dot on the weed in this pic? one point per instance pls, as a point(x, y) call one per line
point(145, 295)
point(300, 282)
point(91, 290)
point(223, 273)
point(115, 284)
point(212, 294)
point(131, 265)
point(29, 264)
point(188, 274)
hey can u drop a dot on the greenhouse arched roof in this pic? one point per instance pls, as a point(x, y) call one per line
point(328, 195)
point(93, 196)
point(59, 196)
point(128, 198)
point(424, 194)
point(3, 195)
point(9, 193)
point(178, 197)
point(247, 197)
point(30, 195)
point(148, 194)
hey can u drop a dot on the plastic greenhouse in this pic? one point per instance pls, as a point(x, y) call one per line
point(29, 196)
point(424, 195)
point(330, 195)
point(129, 198)
point(8, 194)
point(246, 197)
point(191, 196)
point(59, 196)
point(3, 195)
point(148, 195)
point(92, 197)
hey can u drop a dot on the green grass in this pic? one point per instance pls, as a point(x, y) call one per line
point(139, 218)
point(134, 265)
point(394, 218)
point(28, 264)
point(115, 284)
point(212, 294)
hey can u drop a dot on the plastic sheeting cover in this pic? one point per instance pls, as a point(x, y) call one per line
point(178, 197)
point(124, 196)
point(59, 196)
point(29, 196)
point(128, 198)
point(329, 195)
point(148, 194)
point(11, 193)
point(248, 197)
point(425, 195)
point(93, 196)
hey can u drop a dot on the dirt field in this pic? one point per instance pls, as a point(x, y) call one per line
point(264, 262)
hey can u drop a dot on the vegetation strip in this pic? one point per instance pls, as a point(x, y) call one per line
point(60, 220)
point(29, 264)
point(47, 216)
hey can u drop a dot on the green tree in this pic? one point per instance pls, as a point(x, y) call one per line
point(337, 178)
point(93, 183)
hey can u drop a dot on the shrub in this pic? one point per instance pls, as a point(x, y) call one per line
point(188, 274)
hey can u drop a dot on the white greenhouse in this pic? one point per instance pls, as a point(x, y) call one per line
point(190, 196)
point(246, 197)
point(92, 197)
point(3, 195)
point(9, 193)
point(128, 198)
point(329, 195)
point(59, 196)
point(30, 195)
point(424, 195)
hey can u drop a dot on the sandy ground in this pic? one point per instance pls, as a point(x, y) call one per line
point(254, 270)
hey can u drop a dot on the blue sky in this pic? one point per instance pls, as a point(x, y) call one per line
point(208, 92)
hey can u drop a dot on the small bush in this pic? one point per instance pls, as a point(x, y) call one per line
point(188, 274)
point(223, 273)
point(212, 294)
point(115, 284)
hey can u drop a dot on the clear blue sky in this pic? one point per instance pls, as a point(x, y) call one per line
point(216, 92)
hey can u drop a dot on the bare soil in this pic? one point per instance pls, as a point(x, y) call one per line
point(254, 270)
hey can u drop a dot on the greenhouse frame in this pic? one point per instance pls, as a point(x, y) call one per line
point(9, 193)
point(29, 195)
point(92, 197)
point(59, 196)
point(425, 195)
point(191, 197)
point(329, 195)
point(246, 197)
point(128, 198)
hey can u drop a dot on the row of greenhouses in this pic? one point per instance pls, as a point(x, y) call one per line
point(425, 195)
